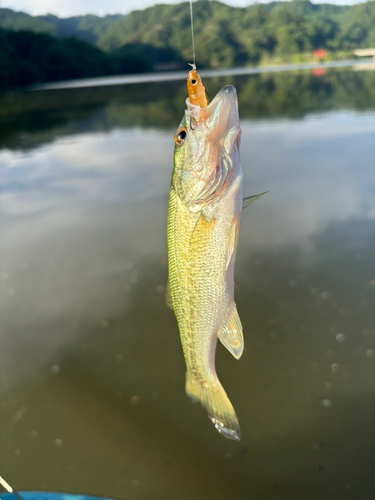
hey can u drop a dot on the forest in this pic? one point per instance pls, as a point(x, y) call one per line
point(27, 58)
point(48, 48)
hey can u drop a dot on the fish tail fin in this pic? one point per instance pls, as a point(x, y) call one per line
point(219, 408)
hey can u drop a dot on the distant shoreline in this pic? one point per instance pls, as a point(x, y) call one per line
point(181, 75)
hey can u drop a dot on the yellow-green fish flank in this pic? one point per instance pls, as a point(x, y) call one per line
point(204, 212)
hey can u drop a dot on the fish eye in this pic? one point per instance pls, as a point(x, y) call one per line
point(193, 81)
point(180, 136)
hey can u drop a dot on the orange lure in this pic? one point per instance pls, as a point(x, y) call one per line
point(196, 89)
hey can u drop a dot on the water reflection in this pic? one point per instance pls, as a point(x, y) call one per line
point(30, 119)
point(92, 375)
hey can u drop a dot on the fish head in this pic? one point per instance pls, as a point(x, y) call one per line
point(207, 149)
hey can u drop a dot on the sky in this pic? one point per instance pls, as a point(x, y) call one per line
point(67, 8)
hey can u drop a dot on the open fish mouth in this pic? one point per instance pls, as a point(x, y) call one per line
point(219, 118)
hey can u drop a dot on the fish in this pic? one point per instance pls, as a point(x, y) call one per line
point(205, 204)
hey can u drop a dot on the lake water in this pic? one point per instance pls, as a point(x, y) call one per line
point(91, 367)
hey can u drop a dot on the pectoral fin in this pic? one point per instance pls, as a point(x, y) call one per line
point(202, 234)
point(246, 202)
point(168, 298)
point(230, 334)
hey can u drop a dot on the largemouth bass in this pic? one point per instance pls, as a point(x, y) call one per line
point(204, 213)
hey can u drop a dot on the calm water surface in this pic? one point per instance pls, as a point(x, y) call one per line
point(92, 372)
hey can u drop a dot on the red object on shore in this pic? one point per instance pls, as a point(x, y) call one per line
point(320, 54)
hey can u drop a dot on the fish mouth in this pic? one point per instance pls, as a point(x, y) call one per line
point(219, 119)
point(223, 106)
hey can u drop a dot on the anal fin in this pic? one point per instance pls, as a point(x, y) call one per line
point(230, 334)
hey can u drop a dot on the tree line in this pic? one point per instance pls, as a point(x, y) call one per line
point(47, 48)
point(27, 58)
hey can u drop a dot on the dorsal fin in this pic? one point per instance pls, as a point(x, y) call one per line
point(246, 202)
point(230, 334)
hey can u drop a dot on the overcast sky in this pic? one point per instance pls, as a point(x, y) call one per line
point(66, 8)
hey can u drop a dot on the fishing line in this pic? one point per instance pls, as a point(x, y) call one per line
point(9, 489)
point(192, 30)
